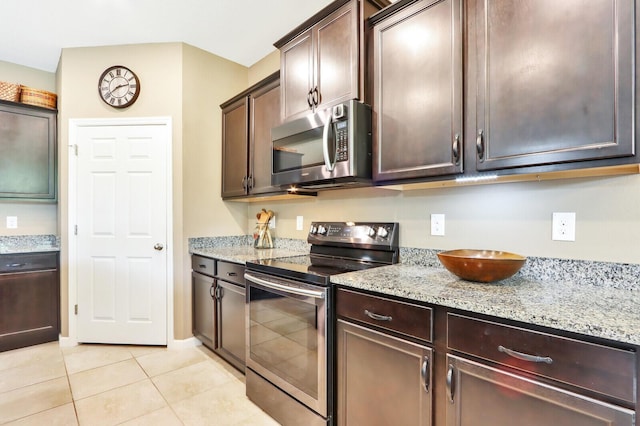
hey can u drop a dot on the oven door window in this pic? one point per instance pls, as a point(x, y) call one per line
point(287, 340)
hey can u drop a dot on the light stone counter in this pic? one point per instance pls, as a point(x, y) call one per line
point(240, 250)
point(600, 311)
point(28, 244)
point(597, 299)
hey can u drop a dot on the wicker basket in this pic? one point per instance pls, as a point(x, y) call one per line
point(10, 91)
point(41, 98)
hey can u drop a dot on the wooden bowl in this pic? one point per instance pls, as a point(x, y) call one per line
point(483, 266)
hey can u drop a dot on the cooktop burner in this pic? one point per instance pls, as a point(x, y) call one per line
point(336, 248)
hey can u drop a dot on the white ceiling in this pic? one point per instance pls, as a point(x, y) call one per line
point(33, 32)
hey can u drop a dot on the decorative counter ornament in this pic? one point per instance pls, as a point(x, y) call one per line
point(483, 266)
point(262, 234)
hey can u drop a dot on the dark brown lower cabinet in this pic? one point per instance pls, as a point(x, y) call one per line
point(29, 299)
point(480, 395)
point(203, 305)
point(218, 307)
point(382, 380)
point(230, 315)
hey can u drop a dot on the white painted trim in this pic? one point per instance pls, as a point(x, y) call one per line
point(74, 125)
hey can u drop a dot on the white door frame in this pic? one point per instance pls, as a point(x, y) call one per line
point(74, 125)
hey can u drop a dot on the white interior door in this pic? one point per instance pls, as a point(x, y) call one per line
point(121, 233)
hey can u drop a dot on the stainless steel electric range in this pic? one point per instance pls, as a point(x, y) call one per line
point(290, 318)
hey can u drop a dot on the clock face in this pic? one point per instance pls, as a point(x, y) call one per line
point(118, 86)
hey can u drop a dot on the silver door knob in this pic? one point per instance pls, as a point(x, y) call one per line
point(158, 246)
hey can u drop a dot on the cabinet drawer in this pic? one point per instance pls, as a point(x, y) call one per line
point(232, 272)
point(402, 317)
point(24, 262)
point(203, 265)
point(598, 368)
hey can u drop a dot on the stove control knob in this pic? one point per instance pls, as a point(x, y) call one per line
point(382, 232)
point(313, 229)
point(322, 230)
point(371, 232)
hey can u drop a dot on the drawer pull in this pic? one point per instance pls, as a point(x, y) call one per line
point(377, 317)
point(232, 274)
point(202, 266)
point(525, 357)
point(16, 265)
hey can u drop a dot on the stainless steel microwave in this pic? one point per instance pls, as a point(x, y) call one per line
point(328, 148)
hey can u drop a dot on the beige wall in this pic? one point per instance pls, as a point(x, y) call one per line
point(513, 217)
point(264, 67)
point(208, 81)
point(34, 218)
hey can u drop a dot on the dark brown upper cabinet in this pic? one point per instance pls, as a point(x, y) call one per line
point(27, 152)
point(550, 81)
point(417, 77)
point(247, 120)
point(322, 60)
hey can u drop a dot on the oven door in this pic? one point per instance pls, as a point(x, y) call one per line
point(287, 336)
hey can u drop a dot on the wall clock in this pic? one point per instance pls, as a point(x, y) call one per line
point(118, 86)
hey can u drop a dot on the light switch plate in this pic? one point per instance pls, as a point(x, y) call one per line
point(272, 222)
point(299, 223)
point(437, 224)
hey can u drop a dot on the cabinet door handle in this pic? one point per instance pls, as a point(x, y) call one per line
point(315, 96)
point(212, 291)
point(525, 357)
point(480, 145)
point(309, 101)
point(244, 182)
point(425, 373)
point(377, 317)
point(456, 149)
point(450, 383)
point(16, 265)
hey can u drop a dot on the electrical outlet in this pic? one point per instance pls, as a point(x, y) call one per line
point(299, 223)
point(12, 222)
point(437, 224)
point(563, 226)
point(272, 222)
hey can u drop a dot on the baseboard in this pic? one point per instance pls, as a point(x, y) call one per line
point(191, 342)
point(67, 342)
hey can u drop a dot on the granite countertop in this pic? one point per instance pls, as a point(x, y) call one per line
point(598, 299)
point(28, 244)
point(601, 311)
point(244, 254)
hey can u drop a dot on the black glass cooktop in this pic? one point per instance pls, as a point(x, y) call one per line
point(312, 269)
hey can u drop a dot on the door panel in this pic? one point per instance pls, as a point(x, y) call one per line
point(121, 214)
point(476, 387)
point(296, 73)
point(555, 81)
point(336, 64)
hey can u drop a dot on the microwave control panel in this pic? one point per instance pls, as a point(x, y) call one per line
point(342, 140)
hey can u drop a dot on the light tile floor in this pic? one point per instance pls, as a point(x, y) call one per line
point(129, 385)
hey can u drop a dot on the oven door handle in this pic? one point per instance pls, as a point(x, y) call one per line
point(285, 288)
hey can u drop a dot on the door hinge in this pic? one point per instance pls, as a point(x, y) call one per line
point(75, 229)
point(75, 309)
